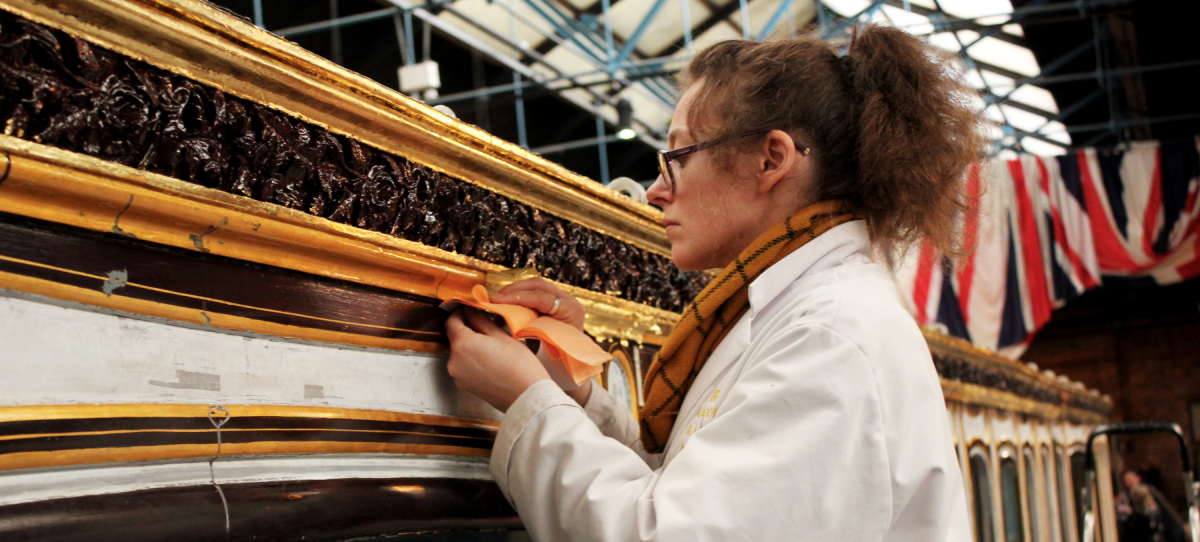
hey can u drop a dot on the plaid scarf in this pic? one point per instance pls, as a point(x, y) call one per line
point(714, 311)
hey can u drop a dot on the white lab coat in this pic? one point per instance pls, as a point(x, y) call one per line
point(819, 417)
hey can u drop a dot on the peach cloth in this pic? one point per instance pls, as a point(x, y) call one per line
point(582, 357)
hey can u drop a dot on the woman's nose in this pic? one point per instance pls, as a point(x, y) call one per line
point(658, 193)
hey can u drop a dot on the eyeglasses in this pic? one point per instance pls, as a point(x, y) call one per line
point(669, 169)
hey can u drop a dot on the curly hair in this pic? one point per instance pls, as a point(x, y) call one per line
point(892, 124)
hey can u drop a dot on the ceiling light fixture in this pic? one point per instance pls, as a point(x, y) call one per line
point(625, 120)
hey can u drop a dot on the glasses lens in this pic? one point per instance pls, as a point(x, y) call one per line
point(673, 169)
point(666, 169)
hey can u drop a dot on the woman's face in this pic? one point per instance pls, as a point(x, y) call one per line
point(713, 214)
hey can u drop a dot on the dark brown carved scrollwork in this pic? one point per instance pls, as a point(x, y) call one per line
point(64, 92)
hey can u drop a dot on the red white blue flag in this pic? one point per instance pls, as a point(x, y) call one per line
point(1045, 229)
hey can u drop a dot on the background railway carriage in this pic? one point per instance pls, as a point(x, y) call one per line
point(1020, 437)
point(220, 262)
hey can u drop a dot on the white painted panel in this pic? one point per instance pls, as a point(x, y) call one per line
point(57, 355)
point(1002, 428)
point(1024, 429)
point(974, 427)
point(1076, 434)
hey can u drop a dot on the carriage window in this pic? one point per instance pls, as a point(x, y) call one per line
point(1052, 509)
point(1077, 465)
point(1064, 494)
point(1031, 501)
point(1010, 493)
point(981, 493)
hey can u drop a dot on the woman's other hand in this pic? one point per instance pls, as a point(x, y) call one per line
point(539, 294)
point(487, 362)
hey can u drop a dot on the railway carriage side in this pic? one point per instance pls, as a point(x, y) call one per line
point(220, 264)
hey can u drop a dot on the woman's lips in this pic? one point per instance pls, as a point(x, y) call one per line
point(667, 224)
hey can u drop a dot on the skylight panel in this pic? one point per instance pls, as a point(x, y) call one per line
point(847, 8)
point(970, 9)
point(579, 4)
point(973, 79)
point(567, 61)
point(719, 32)
point(544, 71)
point(646, 110)
point(497, 18)
point(1056, 131)
point(1003, 54)
point(1014, 29)
point(1041, 148)
point(663, 31)
point(945, 40)
point(1023, 120)
point(993, 112)
point(1035, 96)
point(912, 23)
point(999, 84)
point(761, 11)
point(994, 20)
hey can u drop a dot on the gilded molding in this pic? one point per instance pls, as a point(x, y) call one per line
point(63, 458)
point(195, 40)
point(78, 190)
point(1068, 399)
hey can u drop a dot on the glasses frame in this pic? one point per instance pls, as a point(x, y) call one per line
point(666, 157)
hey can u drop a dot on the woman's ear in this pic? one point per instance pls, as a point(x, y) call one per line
point(777, 159)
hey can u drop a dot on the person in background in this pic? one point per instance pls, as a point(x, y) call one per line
point(1138, 516)
point(1143, 514)
point(796, 399)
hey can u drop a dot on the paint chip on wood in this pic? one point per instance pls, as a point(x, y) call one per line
point(189, 380)
point(314, 392)
point(117, 278)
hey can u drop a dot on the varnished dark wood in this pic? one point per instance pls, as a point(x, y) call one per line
point(212, 283)
point(79, 434)
point(304, 510)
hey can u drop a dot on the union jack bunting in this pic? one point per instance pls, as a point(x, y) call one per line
point(1045, 229)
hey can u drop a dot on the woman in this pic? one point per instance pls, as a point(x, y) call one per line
point(796, 399)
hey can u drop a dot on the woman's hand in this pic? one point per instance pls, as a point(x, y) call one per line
point(539, 294)
point(487, 362)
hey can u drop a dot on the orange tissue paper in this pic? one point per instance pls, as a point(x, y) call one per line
point(582, 357)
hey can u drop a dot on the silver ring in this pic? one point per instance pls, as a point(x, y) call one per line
point(554, 309)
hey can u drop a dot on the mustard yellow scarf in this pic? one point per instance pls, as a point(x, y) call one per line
point(716, 309)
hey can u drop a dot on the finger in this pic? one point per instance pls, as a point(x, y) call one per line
point(532, 285)
point(456, 329)
point(481, 323)
point(537, 300)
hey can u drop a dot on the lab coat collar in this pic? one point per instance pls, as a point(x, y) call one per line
point(826, 251)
